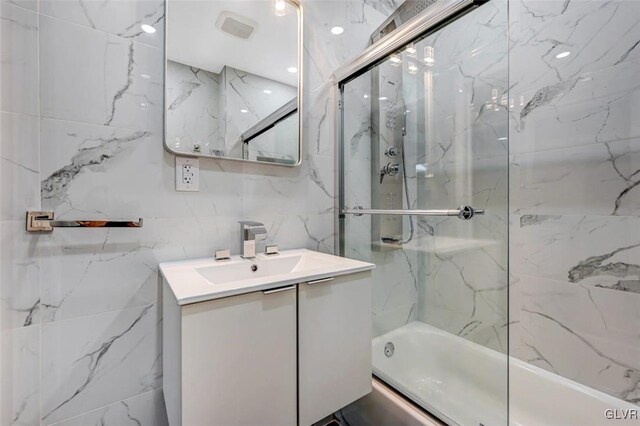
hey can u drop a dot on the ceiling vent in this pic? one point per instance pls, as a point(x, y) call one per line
point(236, 25)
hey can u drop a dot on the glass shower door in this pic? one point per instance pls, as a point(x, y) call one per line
point(426, 129)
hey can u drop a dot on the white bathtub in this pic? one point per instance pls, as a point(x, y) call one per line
point(466, 383)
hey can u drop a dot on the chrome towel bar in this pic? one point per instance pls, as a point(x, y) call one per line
point(43, 222)
point(462, 212)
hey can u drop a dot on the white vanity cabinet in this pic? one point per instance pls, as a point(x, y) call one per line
point(334, 344)
point(231, 361)
point(280, 340)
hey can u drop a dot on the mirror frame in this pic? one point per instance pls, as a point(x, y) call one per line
point(298, 7)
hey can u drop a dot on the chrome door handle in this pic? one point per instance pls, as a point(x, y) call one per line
point(323, 280)
point(279, 289)
point(463, 212)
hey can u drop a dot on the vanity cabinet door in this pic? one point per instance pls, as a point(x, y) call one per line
point(239, 360)
point(334, 347)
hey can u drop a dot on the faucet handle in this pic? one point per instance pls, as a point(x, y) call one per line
point(250, 223)
point(222, 254)
point(269, 250)
point(390, 169)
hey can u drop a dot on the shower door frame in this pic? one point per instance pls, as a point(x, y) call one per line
point(433, 19)
point(430, 21)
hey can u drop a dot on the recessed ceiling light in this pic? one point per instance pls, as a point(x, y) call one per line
point(148, 29)
point(244, 111)
point(267, 91)
point(366, 96)
point(337, 30)
point(382, 98)
point(280, 7)
point(563, 55)
point(411, 50)
point(292, 69)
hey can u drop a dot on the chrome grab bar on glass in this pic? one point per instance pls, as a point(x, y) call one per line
point(43, 222)
point(462, 212)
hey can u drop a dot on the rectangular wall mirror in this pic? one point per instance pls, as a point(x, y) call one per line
point(233, 79)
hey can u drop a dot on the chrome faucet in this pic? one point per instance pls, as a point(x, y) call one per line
point(248, 232)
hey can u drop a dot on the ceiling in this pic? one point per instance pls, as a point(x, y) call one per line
point(194, 39)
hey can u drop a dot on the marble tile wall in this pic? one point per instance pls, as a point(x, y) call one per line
point(80, 133)
point(243, 91)
point(193, 109)
point(280, 142)
point(81, 107)
point(212, 110)
point(465, 158)
point(450, 274)
point(20, 327)
point(573, 190)
point(395, 279)
point(574, 196)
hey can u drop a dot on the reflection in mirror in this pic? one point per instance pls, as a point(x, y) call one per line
point(231, 79)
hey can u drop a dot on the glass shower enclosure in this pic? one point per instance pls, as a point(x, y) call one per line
point(423, 153)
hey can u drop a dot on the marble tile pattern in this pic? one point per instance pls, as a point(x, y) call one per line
point(280, 142)
point(449, 273)
point(20, 348)
point(81, 110)
point(79, 316)
point(213, 110)
point(574, 191)
point(464, 158)
point(193, 109)
point(246, 103)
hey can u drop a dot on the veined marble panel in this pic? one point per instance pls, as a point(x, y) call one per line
point(19, 165)
point(25, 4)
point(20, 386)
point(98, 271)
point(104, 79)
point(19, 276)
point(591, 108)
point(101, 142)
point(465, 290)
point(299, 231)
point(594, 251)
point(595, 342)
point(585, 96)
point(573, 234)
point(117, 17)
point(105, 171)
point(598, 179)
point(280, 190)
point(246, 103)
point(327, 51)
point(279, 142)
point(145, 409)
point(193, 109)
point(97, 360)
point(18, 59)
point(599, 34)
point(106, 270)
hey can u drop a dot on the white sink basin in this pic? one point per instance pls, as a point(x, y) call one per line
point(206, 279)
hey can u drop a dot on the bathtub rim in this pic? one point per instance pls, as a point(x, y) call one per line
point(402, 394)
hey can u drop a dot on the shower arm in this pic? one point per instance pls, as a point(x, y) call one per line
point(463, 212)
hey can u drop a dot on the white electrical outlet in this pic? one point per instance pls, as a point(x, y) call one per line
point(187, 174)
